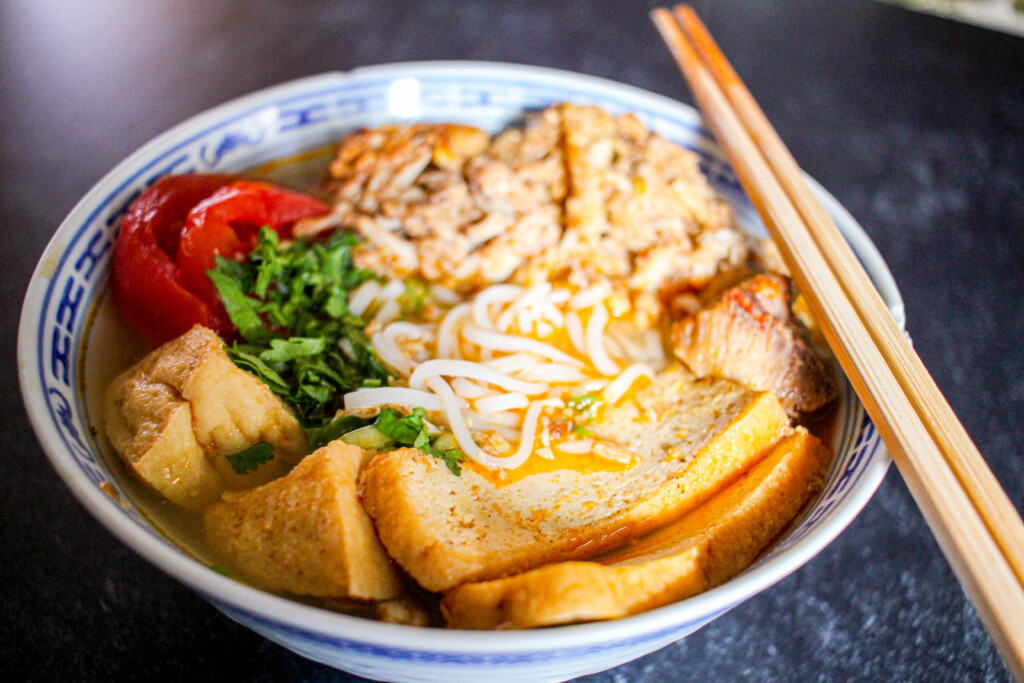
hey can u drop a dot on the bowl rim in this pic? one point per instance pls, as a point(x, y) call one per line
point(221, 589)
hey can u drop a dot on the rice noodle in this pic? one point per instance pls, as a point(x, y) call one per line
point(621, 384)
point(443, 295)
point(485, 369)
point(574, 327)
point(553, 373)
point(479, 423)
point(501, 419)
point(391, 354)
point(496, 341)
point(388, 312)
point(524, 302)
point(513, 363)
point(453, 413)
point(495, 294)
point(591, 296)
point(407, 330)
point(470, 389)
point(363, 296)
point(462, 368)
point(392, 396)
point(548, 311)
point(447, 339)
point(559, 295)
point(501, 402)
point(595, 341)
point(529, 431)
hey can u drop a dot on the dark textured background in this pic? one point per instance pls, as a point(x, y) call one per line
point(916, 124)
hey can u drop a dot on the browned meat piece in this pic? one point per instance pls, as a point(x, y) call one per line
point(447, 203)
point(576, 192)
point(751, 336)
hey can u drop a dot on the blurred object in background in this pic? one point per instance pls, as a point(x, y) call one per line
point(1002, 15)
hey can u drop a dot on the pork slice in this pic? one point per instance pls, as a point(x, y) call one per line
point(751, 336)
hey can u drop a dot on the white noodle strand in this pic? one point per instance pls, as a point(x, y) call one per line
point(595, 341)
point(391, 396)
point(496, 341)
point(447, 338)
point(501, 402)
point(621, 384)
point(391, 354)
point(463, 368)
point(495, 294)
point(574, 327)
point(456, 420)
point(363, 297)
point(469, 389)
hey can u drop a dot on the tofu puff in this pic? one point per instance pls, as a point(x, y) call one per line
point(178, 414)
point(176, 417)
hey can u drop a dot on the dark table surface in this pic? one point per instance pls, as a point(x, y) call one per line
point(915, 123)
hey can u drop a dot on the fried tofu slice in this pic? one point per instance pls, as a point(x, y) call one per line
point(306, 533)
point(750, 334)
point(692, 438)
point(705, 548)
point(177, 415)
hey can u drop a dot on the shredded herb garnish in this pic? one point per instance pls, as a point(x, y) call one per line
point(581, 431)
point(248, 459)
point(413, 301)
point(586, 406)
point(411, 430)
point(290, 305)
point(321, 436)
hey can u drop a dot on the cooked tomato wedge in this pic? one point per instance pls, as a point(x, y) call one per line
point(172, 235)
point(227, 222)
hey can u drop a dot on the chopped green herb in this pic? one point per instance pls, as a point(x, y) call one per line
point(290, 306)
point(413, 301)
point(403, 430)
point(411, 430)
point(581, 431)
point(586, 406)
point(369, 438)
point(248, 459)
point(321, 436)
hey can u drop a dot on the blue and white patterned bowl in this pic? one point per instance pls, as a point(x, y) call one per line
point(69, 343)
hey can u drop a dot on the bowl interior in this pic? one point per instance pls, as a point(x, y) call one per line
point(71, 341)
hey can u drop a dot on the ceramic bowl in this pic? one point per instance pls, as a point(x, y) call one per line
point(70, 342)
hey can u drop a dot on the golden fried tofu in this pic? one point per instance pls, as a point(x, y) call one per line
point(691, 438)
point(177, 415)
point(306, 533)
point(705, 548)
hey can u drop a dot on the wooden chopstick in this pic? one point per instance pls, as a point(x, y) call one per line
point(989, 499)
point(976, 525)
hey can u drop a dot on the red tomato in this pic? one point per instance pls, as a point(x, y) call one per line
point(227, 222)
point(171, 236)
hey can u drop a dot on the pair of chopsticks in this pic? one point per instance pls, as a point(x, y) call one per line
point(975, 523)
